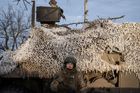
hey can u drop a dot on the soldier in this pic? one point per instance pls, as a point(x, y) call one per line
point(69, 79)
point(53, 3)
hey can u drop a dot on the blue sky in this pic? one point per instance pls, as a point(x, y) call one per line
point(73, 9)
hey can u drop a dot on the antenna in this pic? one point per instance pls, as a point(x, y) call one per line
point(85, 10)
point(33, 14)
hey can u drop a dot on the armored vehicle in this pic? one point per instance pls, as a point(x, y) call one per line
point(107, 54)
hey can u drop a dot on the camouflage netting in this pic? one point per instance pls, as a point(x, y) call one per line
point(6, 63)
point(46, 49)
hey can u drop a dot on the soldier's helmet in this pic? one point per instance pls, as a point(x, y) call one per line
point(52, 2)
point(70, 59)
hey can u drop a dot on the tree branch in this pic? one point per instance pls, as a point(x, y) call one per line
point(76, 23)
point(115, 18)
point(110, 18)
point(24, 2)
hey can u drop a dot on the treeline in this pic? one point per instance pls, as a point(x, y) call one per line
point(14, 27)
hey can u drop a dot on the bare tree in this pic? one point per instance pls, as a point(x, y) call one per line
point(25, 2)
point(13, 25)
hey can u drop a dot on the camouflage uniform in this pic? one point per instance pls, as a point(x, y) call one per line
point(68, 81)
